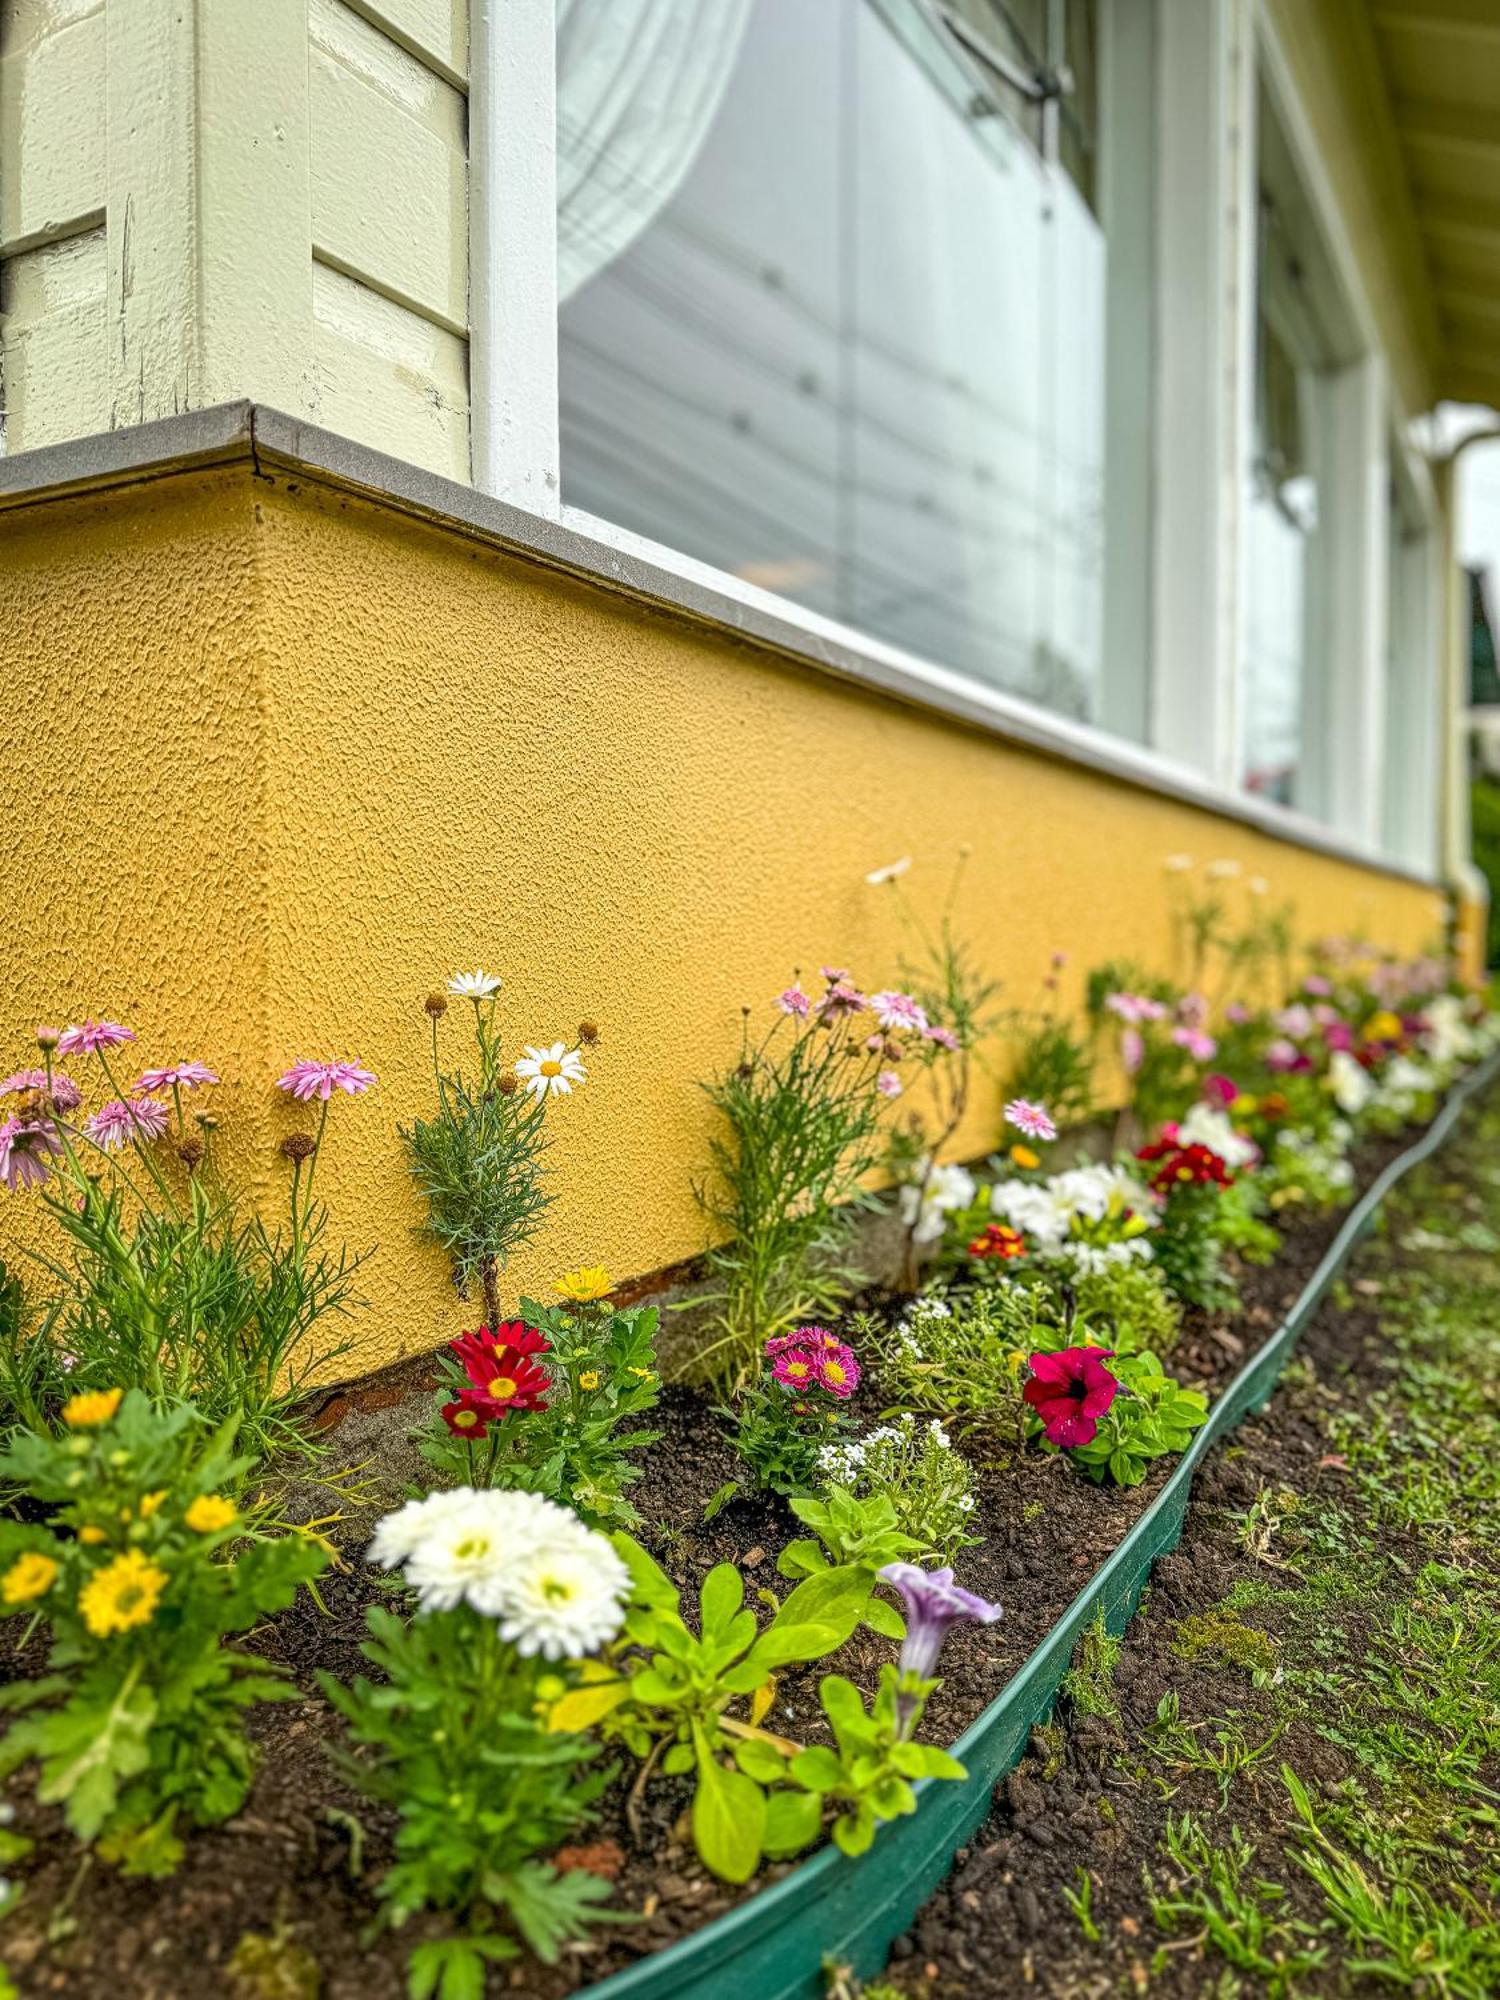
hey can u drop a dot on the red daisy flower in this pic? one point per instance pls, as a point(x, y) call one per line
point(478, 1350)
point(1184, 1166)
point(504, 1380)
point(1070, 1392)
point(464, 1417)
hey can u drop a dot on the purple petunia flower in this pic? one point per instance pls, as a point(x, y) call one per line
point(126, 1122)
point(934, 1603)
point(307, 1079)
point(89, 1037)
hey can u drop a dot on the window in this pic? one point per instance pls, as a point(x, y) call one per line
point(1297, 494)
point(834, 295)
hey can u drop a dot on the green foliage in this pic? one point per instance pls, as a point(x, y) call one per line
point(480, 1785)
point(1484, 812)
point(799, 1119)
point(962, 1356)
point(1190, 1249)
point(856, 1530)
point(1051, 1064)
point(576, 1449)
point(183, 1297)
point(478, 1163)
point(1220, 1634)
point(1152, 1417)
point(138, 1724)
point(779, 1431)
point(665, 1691)
point(33, 1380)
point(1244, 1916)
point(1127, 1307)
point(1089, 1682)
point(915, 1469)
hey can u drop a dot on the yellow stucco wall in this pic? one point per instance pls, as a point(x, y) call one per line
point(292, 757)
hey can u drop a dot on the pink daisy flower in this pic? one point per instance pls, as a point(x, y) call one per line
point(89, 1037)
point(888, 1083)
point(124, 1122)
point(26, 1145)
point(841, 998)
point(66, 1096)
point(834, 973)
point(179, 1076)
point(1201, 1047)
point(1032, 1119)
point(795, 1002)
point(944, 1037)
point(898, 1010)
point(307, 1079)
point(838, 1371)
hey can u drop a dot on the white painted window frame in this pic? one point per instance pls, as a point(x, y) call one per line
point(1208, 56)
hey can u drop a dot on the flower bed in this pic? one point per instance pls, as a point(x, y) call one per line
point(593, 1685)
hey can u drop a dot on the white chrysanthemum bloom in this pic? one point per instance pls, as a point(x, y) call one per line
point(398, 1534)
point(564, 1599)
point(1207, 1125)
point(923, 1209)
point(1351, 1085)
point(474, 985)
point(548, 1072)
point(1034, 1209)
point(454, 1545)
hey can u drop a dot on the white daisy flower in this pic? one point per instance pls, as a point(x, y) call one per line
point(546, 1072)
point(474, 985)
point(891, 872)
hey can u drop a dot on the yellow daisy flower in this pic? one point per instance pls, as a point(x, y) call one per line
point(91, 1536)
point(91, 1408)
point(150, 1502)
point(1024, 1157)
point(30, 1575)
point(585, 1285)
point(1382, 1027)
point(124, 1593)
point(641, 1374)
point(589, 1379)
point(209, 1512)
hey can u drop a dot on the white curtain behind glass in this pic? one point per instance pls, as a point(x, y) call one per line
point(638, 85)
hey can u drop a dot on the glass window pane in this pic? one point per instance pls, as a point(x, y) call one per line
point(830, 323)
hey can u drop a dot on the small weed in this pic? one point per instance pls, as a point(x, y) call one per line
point(1089, 1682)
point(1240, 1914)
point(1080, 1901)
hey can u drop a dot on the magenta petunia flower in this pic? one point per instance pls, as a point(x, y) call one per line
point(65, 1094)
point(1220, 1090)
point(1070, 1392)
point(795, 1368)
point(888, 1083)
point(795, 1002)
point(898, 1010)
point(26, 1146)
point(307, 1079)
point(179, 1076)
point(126, 1122)
point(1032, 1119)
point(89, 1037)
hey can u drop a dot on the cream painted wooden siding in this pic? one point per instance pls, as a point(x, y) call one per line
point(205, 202)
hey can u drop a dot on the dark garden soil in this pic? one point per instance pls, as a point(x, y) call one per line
point(279, 1901)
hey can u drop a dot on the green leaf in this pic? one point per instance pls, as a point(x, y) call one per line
point(651, 1584)
point(836, 1597)
point(802, 1558)
point(729, 1817)
point(819, 1769)
point(885, 1619)
point(730, 1490)
point(723, 1594)
point(759, 1760)
point(794, 1820)
point(89, 1747)
point(780, 1643)
point(453, 1968)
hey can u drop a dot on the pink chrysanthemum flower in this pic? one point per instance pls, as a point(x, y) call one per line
point(944, 1037)
point(126, 1121)
point(26, 1145)
point(888, 1083)
point(89, 1037)
point(838, 1371)
point(1032, 1119)
point(795, 1368)
point(795, 1002)
point(898, 1010)
point(307, 1079)
point(64, 1092)
point(179, 1076)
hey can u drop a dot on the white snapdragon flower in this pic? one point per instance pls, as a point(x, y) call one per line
point(1207, 1125)
point(1351, 1085)
point(923, 1210)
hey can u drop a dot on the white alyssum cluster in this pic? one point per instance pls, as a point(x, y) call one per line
point(908, 1330)
point(1207, 1125)
point(924, 1210)
point(1403, 1084)
point(1322, 1158)
point(553, 1586)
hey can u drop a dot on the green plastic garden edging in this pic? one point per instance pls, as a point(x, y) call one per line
point(773, 1946)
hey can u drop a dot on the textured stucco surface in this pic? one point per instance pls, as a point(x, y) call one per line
point(311, 755)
